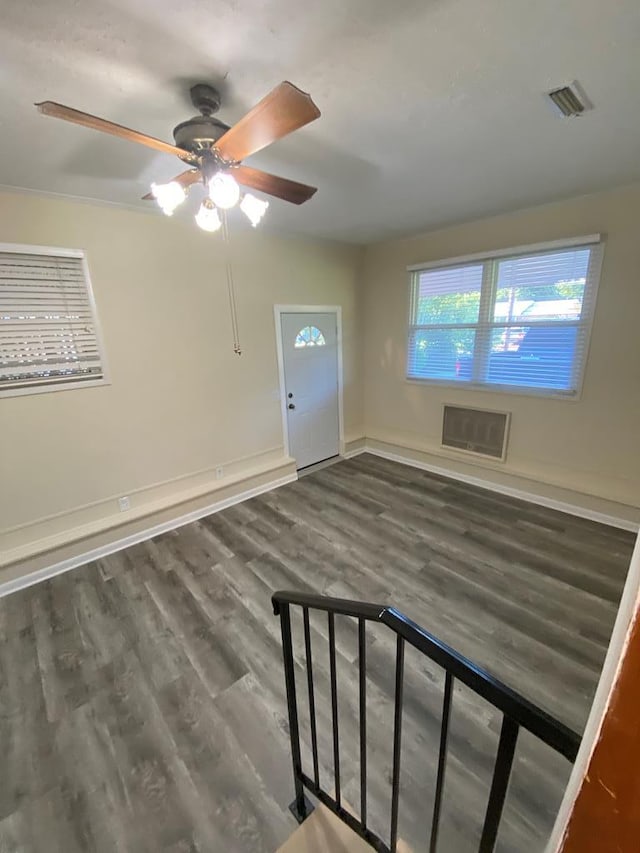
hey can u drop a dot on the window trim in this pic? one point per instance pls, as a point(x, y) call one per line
point(499, 254)
point(548, 246)
point(71, 384)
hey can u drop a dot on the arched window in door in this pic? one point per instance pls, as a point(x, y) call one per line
point(310, 336)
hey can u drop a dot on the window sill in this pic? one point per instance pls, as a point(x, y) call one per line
point(46, 389)
point(521, 391)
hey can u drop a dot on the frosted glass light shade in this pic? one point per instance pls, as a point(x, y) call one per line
point(168, 196)
point(253, 208)
point(207, 216)
point(224, 191)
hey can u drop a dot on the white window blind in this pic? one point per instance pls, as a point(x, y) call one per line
point(47, 323)
point(516, 322)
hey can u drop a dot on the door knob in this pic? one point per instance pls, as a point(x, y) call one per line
point(291, 406)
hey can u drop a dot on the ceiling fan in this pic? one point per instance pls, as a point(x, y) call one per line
point(214, 151)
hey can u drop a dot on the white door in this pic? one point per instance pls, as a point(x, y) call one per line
point(310, 356)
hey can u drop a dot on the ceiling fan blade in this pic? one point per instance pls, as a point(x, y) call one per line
point(191, 176)
point(283, 110)
point(50, 108)
point(273, 185)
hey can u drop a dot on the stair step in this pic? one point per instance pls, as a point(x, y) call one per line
point(323, 832)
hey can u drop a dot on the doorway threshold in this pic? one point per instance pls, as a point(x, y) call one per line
point(318, 466)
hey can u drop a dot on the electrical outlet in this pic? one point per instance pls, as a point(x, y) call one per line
point(124, 504)
point(219, 472)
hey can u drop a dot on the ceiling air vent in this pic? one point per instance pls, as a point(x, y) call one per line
point(570, 100)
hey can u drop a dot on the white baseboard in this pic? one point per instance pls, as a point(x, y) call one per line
point(349, 454)
point(531, 497)
point(24, 581)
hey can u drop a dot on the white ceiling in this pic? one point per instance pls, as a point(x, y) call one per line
point(432, 110)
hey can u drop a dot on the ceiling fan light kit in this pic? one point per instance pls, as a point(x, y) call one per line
point(224, 193)
point(169, 196)
point(254, 208)
point(207, 216)
point(224, 190)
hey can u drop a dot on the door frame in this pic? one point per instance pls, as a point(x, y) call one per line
point(278, 311)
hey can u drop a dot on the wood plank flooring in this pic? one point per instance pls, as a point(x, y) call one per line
point(142, 697)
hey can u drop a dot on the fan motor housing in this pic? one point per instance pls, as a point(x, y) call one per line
point(199, 133)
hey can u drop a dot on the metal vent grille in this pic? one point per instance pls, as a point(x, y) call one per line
point(570, 100)
point(476, 431)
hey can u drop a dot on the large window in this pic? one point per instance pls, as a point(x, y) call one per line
point(515, 321)
point(48, 335)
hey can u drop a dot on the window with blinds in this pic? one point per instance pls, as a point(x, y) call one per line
point(514, 321)
point(48, 336)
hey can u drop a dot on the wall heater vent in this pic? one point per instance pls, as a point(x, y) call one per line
point(477, 431)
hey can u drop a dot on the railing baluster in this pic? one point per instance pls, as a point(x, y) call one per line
point(362, 661)
point(334, 705)
point(442, 760)
point(312, 701)
point(499, 785)
point(299, 806)
point(397, 743)
point(517, 712)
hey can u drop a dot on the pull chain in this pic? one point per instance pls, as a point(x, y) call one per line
point(230, 287)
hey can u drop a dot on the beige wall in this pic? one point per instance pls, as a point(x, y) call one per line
point(589, 446)
point(180, 401)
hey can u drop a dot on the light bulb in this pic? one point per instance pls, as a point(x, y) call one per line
point(168, 196)
point(223, 190)
point(254, 208)
point(207, 217)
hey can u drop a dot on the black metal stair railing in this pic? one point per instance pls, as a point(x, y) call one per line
point(517, 713)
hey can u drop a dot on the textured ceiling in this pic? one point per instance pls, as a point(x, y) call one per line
point(432, 110)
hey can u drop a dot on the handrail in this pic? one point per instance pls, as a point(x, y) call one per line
point(339, 606)
point(521, 710)
point(517, 711)
point(525, 713)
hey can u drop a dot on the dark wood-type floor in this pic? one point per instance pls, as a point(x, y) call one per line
point(142, 696)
